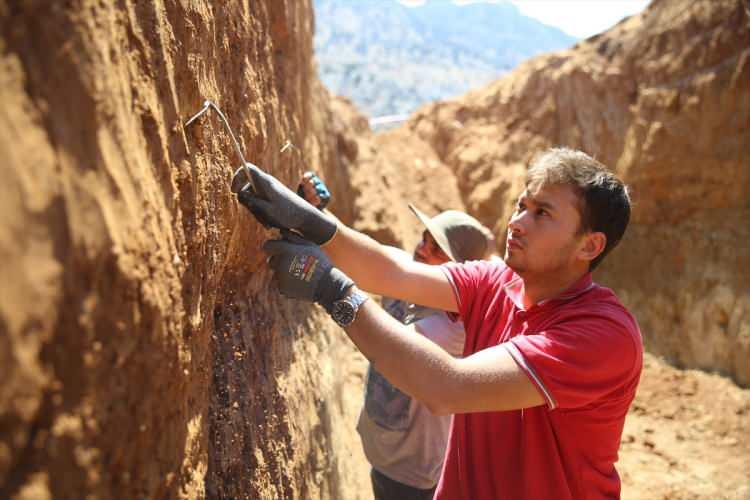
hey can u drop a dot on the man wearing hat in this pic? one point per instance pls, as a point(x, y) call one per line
point(402, 439)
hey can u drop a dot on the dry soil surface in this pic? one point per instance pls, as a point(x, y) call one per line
point(686, 437)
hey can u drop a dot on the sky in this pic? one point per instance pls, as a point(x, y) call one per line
point(578, 18)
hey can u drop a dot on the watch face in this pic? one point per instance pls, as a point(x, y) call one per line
point(343, 312)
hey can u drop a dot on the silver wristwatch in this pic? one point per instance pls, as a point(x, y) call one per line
point(344, 311)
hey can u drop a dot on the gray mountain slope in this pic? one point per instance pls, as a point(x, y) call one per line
point(389, 58)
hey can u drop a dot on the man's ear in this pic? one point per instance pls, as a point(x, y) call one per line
point(593, 245)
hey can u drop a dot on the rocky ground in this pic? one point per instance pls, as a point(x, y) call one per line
point(686, 437)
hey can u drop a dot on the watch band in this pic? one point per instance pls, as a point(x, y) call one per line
point(357, 297)
point(344, 311)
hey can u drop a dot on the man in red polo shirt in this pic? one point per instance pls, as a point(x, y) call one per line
point(552, 360)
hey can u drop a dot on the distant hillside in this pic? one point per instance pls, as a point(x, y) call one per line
point(389, 58)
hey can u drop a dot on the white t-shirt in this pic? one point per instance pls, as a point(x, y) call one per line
point(400, 437)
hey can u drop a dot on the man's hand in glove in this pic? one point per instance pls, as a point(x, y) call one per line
point(302, 271)
point(275, 205)
point(314, 190)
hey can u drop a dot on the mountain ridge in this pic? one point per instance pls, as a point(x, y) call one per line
point(391, 60)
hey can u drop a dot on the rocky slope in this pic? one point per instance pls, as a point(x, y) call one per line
point(143, 351)
point(664, 99)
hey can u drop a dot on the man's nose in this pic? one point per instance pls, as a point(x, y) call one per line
point(516, 223)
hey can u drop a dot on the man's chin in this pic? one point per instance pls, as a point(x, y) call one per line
point(513, 263)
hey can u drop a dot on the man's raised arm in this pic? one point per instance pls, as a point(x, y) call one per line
point(375, 267)
point(387, 271)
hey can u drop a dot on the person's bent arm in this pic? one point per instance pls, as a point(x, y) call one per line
point(489, 380)
point(378, 269)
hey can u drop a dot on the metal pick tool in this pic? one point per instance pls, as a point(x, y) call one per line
point(289, 146)
point(324, 198)
point(210, 105)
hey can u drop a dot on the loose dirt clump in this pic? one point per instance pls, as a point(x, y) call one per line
point(686, 437)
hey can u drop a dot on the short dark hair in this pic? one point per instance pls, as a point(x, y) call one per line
point(605, 201)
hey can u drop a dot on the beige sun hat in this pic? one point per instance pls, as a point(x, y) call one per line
point(458, 234)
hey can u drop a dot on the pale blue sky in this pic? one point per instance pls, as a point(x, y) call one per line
point(579, 18)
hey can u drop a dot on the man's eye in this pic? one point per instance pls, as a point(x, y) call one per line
point(542, 211)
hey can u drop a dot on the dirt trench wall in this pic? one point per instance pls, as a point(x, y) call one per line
point(142, 351)
point(375, 177)
point(664, 99)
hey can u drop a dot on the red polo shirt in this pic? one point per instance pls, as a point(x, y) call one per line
point(583, 351)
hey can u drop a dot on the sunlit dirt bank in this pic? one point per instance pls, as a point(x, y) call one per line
point(143, 353)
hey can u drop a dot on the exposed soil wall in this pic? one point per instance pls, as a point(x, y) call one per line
point(664, 99)
point(143, 352)
point(376, 176)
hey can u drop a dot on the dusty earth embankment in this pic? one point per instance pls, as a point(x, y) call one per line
point(143, 353)
point(664, 99)
point(383, 174)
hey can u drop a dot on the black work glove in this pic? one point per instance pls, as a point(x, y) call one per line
point(275, 205)
point(303, 271)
